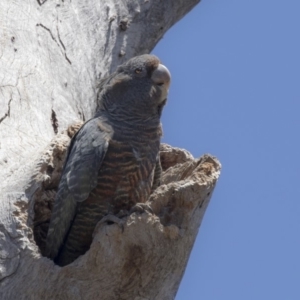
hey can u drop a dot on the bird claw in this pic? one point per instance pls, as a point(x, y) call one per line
point(122, 213)
point(141, 208)
point(111, 219)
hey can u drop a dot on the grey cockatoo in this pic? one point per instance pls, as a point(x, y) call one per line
point(113, 160)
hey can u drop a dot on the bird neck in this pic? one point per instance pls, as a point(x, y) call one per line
point(138, 127)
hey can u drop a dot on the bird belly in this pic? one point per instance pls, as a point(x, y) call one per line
point(125, 177)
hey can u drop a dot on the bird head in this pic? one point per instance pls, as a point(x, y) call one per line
point(138, 89)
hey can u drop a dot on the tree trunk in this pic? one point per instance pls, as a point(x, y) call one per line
point(52, 55)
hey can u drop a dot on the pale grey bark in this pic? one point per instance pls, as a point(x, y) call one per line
point(52, 55)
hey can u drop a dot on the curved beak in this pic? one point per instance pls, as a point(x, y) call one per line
point(161, 76)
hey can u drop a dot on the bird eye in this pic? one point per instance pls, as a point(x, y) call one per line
point(138, 70)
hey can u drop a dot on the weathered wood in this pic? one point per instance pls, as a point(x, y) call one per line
point(143, 259)
point(52, 55)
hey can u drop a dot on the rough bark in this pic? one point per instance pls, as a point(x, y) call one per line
point(52, 55)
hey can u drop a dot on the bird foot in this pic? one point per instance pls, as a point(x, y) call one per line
point(141, 208)
point(111, 219)
point(122, 213)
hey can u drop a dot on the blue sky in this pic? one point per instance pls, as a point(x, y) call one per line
point(236, 94)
